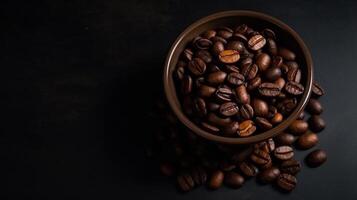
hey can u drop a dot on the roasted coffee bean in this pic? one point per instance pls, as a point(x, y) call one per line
point(278, 118)
point(263, 123)
point(285, 139)
point(316, 158)
point(269, 89)
point(204, 55)
point(317, 124)
point(241, 29)
point(286, 182)
point(246, 61)
point(235, 79)
point(286, 54)
point(248, 169)
point(269, 175)
point(233, 179)
point(209, 127)
point(215, 120)
point(200, 106)
point(186, 85)
point(314, 107)
point(218, 39)
point(235, 45)
point(246, 111)
point(307, 140)
point(206, 91)
point(167, 169)
point(218, 47)
point(268, 33)
point(292, 64)
point(263, 61)
point(199, 81)
point(294, 74)
point(260, 157)
point(254, 83)
point(277, 61)
point(231, 69)
point(240, 37)
point(290, 166)
point(212, 68)
point(249, 71)
point(284, 68)
point(216, 180)
point(284, 152)
point(224, 94)
point(216, 78)
point(197, 66)
point(231, 130)
point(260, 108)
point(246, 128)
point(228, 109)
point(298, 127)
point(272, 110)
point(317, 90)
point(229, 56)
point(256, 42)
point(185, 182)
point(209, 34)
point(294, 88)
point(199, 175)
point(272, 74)
point(211, 106)
point(267, 145)
point(225, 32)
point(180, 73)
point(202, 43)
point(242, 94)
point(272, 47)
point(287, 106)
point(280, 82)
point(187, 54)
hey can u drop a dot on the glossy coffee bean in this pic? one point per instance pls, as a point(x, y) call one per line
point(307, 140)
point(294, 88)
point(248, 169)
point(285, 139)
point(277, 119)
point(202, 43)
point(185, 182)
point(314, 107)
point(316, 158)
point(317, 90)
point(231, 130)
point(209, 34)
point(260, 157)
point(200, 106)
point(298, 127)
point(242, 29)
point(286, 182)
point(231, 69)
point(256, 42)
point(269, 89)
point(218, 47)
point(223, 94)
point(280, 82)
point(317, 124)
point(228, 109)
point(235, 45)
point(269, 175)
point(246, 128)
point(272, 74)
point(246, 111)
point(250, 71)
point(254, 83)
point(216, 180)
point(233, 180)
point(287, 105)
point(211, 106)
point(294, 75)
point(267, 145)
point(242, 94)
point(197, 66)
point(268, 33)
point(263, 61)
point(284, 153)
point(204, 55)
point(186, 85)
point(286, 54)
point(260, 108)
point(229, 56)
point(277, 61)
point(272, 46)
point(187, 55)
point(225, 32)
point(216, 78)
point(235, 79)
point(263, 123)
point(290, 166)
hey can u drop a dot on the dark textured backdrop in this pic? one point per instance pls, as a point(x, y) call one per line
point(79, 78)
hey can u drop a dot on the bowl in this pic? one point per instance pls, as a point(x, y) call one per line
point(287, 36)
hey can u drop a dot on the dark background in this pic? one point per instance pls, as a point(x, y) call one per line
point(79, 79)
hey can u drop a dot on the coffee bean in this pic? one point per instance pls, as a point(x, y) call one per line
point(286, 54)
point(197, 66)
point(298, 127)
point(287, 106)
point(199, 175)
point(246, 111)
point(235, 45)
point(200, 106)
point(269, 175)
point(185, 182)
point(199, 81)
point(204, 55)
point(284, 152)
point(233, 179)
point(292, 64)
point(277, 61)
point(216, 180)
point(260, 108)
point(248, 169)
point(202, 43)
point(317, 90)
point(235, 79)
point(241, 29)
point(231, 129)
point(180, 72)
point(211, 106)
point(290, 166)
point(216, 78)
point(317, 124)
point(254, 83)
point(280, 82)
point(263, 61)
point(307, 140)
point(285, 139)
point(209, 34)
point(186, 85)
point(209, 127)
point(215, 120)
point(272, 47)
point(294, 88)
point(316, 158)
point(294, 75)
point(249, 71)
point(242, 94)
point(218, 39)
point(246, 128)
point(268, 33)
point(212, 68)
point(272, 110)
point(206, 91)
point(187, 54)
point(224, 94)
point(269, 89)
point(260, 157)
point(240, 37)
point(314, 107)
point(167, 169)
point(225, 32)
point(231, 69)
point(218, 47)
point(229, 56)
point(246, 61)
point(278, 118)
point(267, 145)
point(263, 123)
point(256, 42)
point(228, 109)
point(272, 74)
point(286, 182)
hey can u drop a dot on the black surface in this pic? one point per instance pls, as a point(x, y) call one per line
point(80, 77)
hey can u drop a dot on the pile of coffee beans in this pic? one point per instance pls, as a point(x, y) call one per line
point(192, 161)
point(238, 82)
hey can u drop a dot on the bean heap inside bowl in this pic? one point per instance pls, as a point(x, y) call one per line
point(236, 82)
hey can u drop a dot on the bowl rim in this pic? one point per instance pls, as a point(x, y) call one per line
point(240, 140)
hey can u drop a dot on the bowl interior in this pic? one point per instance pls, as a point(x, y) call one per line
point(258, 21)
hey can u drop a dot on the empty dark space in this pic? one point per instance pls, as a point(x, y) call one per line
point(80, 80)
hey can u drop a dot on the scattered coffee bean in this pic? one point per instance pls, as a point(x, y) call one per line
point(248, 169)
point(246, 111)
point(256, 42)
point(317, 90)
point(286, 182)
point(263, 123)
point(286, 54)
point(285, 139)
point(307, 140)
point(269, 175)
point(314, 107)
point(197, 66)
point(228, 109)
point(216, 180)
point(269, 89)
point(290, 166)
point(316, 158)
point(216, 78)
point(284, 152)
point(294, 88)
point(317, 124)
point(233, 179)
point(298, 127)
point(260, 157)
point(185, 182)
point(246, 128)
